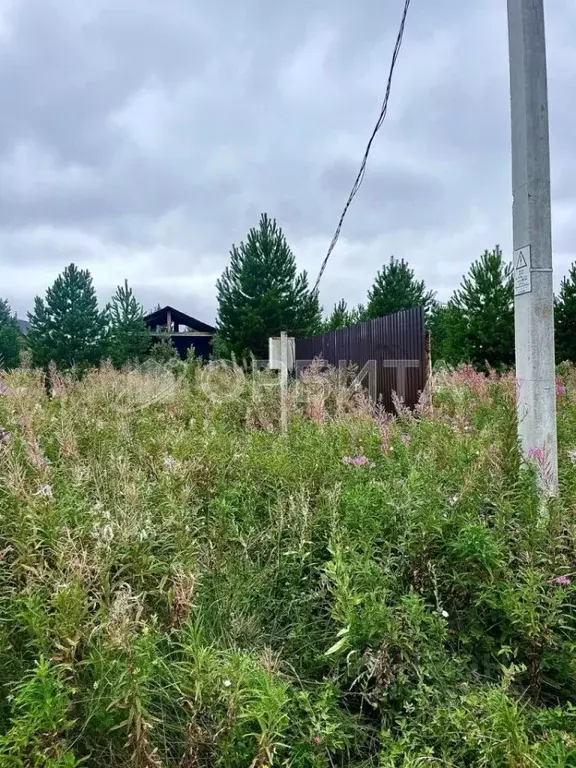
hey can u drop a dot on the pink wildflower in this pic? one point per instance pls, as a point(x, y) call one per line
point(476, 382)
point(564, 581)
point(357, 461)
point(537, 454)
point(560, 389)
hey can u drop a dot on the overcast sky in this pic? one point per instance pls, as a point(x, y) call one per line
point(141, 138)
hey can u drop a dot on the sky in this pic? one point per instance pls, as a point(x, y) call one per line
point(140, 140)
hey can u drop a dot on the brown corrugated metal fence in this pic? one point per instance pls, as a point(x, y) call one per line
point(395, 343)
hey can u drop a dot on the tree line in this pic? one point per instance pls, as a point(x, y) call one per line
point(68, 328)
point(261, 293)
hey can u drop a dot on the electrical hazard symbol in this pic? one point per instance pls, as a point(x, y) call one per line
point(522, 270)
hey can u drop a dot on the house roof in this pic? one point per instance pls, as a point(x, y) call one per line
point(160, 317)
point(24, 325)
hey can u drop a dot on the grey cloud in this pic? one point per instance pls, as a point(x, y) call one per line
point(388, 198)
point(67, 69)
point(175, 125)
point(105, 201)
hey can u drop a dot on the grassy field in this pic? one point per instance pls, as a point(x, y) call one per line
point(182, 584)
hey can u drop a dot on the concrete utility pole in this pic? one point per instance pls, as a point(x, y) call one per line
point(533, 289)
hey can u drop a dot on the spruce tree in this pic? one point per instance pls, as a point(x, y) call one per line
point(10, 344)
point(260, 294)
point(129, 338)
point(67, 327)
point(396, 288)
point(565, 318)
point(486, 301)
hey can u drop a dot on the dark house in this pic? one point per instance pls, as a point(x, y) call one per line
point(23, 325)
point(184, 330)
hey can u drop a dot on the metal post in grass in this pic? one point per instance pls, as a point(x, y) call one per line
point(284, 381)
point(533, 288)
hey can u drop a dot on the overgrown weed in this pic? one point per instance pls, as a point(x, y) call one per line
point(183, 584)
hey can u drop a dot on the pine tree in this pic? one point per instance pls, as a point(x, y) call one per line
point(163, 350)
point(67, 327)
point(396, 288)
point(260, 294)
point(565, 318)
point(129, 338)
point(10, 344)
point(448, 335)
point(486, 301)
point(359, 314)
point(342, 317)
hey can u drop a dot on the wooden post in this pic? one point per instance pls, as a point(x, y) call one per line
point(428, 363)
point(284, 381)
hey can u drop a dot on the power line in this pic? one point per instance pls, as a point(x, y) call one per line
point(362, 170)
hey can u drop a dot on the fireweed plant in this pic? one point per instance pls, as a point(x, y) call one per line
point(182, 583)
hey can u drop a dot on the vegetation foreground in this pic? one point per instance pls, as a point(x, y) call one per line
point(183, 584)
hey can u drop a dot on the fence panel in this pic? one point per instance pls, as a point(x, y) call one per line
point(397, 344)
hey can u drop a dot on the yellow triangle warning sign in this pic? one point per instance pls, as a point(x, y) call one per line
point(521, 261)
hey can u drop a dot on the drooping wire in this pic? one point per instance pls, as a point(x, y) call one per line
point(362, 170)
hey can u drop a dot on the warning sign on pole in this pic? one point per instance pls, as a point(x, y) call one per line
point(523, 270)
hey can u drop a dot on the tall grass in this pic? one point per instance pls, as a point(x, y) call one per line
point(182, 584)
